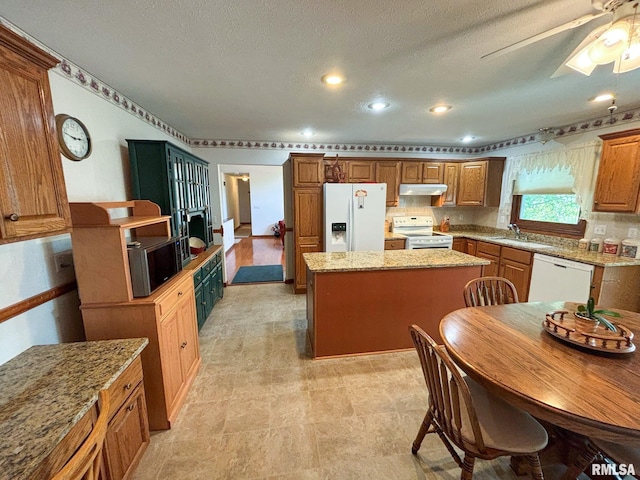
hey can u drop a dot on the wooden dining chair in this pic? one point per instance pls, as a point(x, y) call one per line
point(85, 463)
point(483, 291)
point(462, 412)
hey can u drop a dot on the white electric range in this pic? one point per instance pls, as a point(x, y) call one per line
point(419, 233)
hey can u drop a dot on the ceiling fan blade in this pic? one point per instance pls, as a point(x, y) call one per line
point(540, 36)
point(563, 69)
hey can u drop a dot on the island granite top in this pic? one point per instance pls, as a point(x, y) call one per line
point(47, 389)
point(389, 260)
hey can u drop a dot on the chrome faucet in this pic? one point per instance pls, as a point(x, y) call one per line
point(515, 229)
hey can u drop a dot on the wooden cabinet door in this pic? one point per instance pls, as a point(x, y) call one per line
point(307, 206)
point(187, 336)
point(618, 184)
point(308, 171)
point(358, 172)
point(389, 173)
point(411, 172)
point(471, 184)
point(170, 357)
point(520, 276)
point(127, 436)
point(471, 246)
point(301, 266)
point(432, 172)
point(493, 268)
point(33, 198)
point(450, 179)
point(459, 245)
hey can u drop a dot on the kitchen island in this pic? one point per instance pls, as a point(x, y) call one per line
point(364, 302)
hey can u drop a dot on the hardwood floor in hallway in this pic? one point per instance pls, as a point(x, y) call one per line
point(254, 251)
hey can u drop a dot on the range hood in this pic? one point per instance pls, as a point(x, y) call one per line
point(422, 189)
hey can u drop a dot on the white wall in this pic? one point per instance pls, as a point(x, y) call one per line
point(27, 268)
point(230, 199)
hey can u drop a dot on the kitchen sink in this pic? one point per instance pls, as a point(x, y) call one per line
point(521, 242)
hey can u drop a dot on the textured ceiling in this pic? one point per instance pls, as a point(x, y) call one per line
point(251, 69)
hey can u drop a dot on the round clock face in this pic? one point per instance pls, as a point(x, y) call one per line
point(75, 141)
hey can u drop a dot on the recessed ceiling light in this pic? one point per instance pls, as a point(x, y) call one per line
point(468, 138)
point(440, 108)
point(307, 132)
point(603, 97)
point(333, 79)
point(377, 106)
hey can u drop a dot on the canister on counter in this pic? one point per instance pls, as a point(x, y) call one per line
point(595, 246)
point(611, 246)
point(630, 248)
point(583, 244)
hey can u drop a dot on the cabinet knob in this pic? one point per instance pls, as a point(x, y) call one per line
point(183, 345)
point(14, 217)
point(131, 407)
point(180, 293)
point(127, 386)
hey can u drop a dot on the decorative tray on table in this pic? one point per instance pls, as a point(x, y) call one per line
point(589, 334)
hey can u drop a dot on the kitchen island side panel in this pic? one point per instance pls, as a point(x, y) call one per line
point(356, 312)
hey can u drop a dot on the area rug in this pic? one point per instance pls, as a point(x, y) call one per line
point(258, 273)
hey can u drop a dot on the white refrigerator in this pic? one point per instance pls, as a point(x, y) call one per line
point(354, 216)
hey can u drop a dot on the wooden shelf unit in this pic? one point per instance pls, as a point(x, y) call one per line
point(100, 246)
point(167, 317)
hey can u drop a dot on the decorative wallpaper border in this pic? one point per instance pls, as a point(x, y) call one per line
point(81, 77)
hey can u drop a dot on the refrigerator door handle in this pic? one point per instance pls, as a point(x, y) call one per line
point(350, 227)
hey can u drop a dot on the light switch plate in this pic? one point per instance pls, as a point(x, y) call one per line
point(632, 233)
point(600, 230)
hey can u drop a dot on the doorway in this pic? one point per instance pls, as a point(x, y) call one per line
point(252, 202)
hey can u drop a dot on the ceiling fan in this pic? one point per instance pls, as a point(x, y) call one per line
point(618, 41)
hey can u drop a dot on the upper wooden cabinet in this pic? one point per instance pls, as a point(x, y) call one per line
point(451, 172)
point(480, 183)
point(411, 172)
point(334, 170)
point(389, 173)
point(360, 172)
point(422, 172)
point(33, 198)
point(432, 172)
point(618, 184)
point(308, 170)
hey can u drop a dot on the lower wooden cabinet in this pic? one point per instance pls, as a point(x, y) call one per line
point(127, 436)
point(511, 263)
point(171, 360)
point(394, 244)
point(460, 245)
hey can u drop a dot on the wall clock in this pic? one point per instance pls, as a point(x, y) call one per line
point(74, 138)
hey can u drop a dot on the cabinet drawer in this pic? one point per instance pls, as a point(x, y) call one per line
point(218, 258)
point(206, 268)
point(490, 248)
point(197, 278)
point(394, 244)
point(124, 385)
point(168, 301)
point(516, 255)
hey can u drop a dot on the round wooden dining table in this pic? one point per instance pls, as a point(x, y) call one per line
point(507, 350)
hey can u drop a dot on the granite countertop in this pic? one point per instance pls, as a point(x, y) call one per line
point(389, 260)
point(393, 236)
point(47, 389)
point(559, 251)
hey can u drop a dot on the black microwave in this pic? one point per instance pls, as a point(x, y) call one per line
point(152, 261)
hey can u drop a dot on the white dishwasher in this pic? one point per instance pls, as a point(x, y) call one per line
point(555, 279)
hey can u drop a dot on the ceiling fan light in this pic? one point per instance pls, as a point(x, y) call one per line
point(581, 62)
point(611, 44)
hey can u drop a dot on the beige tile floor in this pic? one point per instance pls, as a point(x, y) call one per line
point(261, 409)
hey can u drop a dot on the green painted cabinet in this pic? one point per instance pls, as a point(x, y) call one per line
point(209, 287)
point(178, 182)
